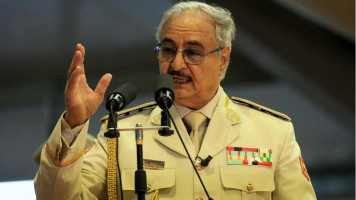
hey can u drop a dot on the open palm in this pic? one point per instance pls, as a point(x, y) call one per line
point(81, 100)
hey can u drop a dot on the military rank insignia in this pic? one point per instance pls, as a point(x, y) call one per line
point(249, 156)
point(304, 169)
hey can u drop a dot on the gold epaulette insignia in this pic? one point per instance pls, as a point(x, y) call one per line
point(132, 110)
point(261, 108)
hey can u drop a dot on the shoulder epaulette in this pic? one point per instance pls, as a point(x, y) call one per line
point(132, 110)
point(261, 108)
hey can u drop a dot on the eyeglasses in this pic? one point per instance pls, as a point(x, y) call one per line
point(190, 56)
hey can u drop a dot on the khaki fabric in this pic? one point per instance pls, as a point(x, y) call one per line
point(75, 173)
point(194, 120)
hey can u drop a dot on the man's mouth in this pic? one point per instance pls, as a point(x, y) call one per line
point(180, 80)
point(179, 77)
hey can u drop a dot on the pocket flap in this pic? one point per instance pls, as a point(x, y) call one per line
point(157, 179)
point(247, 178)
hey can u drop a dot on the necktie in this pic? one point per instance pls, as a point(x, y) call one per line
point(194, 120)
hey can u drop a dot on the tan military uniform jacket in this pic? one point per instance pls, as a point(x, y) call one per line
point(77, 173)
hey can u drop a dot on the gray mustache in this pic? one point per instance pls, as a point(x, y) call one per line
point(179, 73)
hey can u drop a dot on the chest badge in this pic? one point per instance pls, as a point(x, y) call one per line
point(153, 164)
point(248, 156)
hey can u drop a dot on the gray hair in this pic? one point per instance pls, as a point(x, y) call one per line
point(224, 24)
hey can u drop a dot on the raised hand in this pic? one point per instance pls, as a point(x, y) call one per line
point(81, 100)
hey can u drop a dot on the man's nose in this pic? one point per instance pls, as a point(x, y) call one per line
point(178, 62)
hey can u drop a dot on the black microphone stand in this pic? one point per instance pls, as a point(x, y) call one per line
point(112, 120)
point(140, 174)
point(165, 121)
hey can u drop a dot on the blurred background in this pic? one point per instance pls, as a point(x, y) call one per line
point(296, 57)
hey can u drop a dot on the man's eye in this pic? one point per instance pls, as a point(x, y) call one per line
point(167, 50)
point(189, 52)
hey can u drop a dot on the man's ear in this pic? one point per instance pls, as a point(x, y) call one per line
point(224, 58)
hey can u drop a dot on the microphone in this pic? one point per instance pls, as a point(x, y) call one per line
point(164, 91)
point(164, 97)
point(205, 162)
point(121, 97)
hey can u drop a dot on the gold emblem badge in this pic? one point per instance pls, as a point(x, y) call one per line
point(157, 119)
point(232, 116)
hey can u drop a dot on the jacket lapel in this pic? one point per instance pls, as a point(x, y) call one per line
point(221, 130)
point(173, 142)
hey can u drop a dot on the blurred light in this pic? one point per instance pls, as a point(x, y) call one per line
point(14, 190)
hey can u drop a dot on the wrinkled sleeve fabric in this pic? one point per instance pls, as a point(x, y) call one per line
point(290, 181)
point(66, 173)
point(69, 134)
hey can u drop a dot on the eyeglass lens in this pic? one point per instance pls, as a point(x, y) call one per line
point(190, 56)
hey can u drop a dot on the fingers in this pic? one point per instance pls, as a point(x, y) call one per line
point(82, 51)
point(103, 85)
point(77, 60)
point(72, 81)
point(74, 64)
point(76, 48)
point(77, 81)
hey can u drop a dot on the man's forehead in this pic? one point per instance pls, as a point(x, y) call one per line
point(189, 28)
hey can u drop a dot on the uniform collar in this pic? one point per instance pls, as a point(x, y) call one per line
point(230, 111)
point(207, 110)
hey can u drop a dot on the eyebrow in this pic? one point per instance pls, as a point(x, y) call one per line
point(193, 42)
point(196, 43)
point(167, 40)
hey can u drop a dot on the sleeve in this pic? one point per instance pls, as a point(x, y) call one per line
point(291, 178)
point(69, 134)
point(72, 171)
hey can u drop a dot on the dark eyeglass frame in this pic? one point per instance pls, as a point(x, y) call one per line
point(157, 50)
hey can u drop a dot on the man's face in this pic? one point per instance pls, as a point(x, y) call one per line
point(194, 85)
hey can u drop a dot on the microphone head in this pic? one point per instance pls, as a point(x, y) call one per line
point(164, 81)
point(164, 90)
point(121, 96)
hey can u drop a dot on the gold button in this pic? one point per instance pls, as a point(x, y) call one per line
point(198, 167)
point(149, 187)
point(249, 187)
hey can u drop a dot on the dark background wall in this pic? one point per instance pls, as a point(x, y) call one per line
point(297, 57)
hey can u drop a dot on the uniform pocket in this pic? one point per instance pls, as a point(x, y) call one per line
point(247, 182)
point(156, 180)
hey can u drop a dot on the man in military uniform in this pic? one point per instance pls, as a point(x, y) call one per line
point(253, 148)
